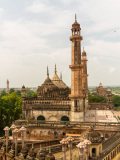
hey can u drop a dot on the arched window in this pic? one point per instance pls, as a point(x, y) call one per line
point(41, 118)
point(64, 118)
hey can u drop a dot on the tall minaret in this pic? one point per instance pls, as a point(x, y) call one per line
point(77, 109)
point(7, 89)
point(84, 78)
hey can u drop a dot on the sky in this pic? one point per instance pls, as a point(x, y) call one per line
point(35, 34)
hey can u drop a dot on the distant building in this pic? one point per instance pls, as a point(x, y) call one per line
point(7, 89)
point(101, 91)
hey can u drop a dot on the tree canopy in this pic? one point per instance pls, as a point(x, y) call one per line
point(11, 90)
point(96, 99)
point(3, 93)
point(10, 109)
point(116, 100)
point(30, 93)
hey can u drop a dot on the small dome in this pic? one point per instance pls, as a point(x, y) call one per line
point(55, 78)
point(23, 88)
point(47, 81)
point(94, 136)
point(75, 25)
point(84, 53)
point(47, 85)
point(59, 83)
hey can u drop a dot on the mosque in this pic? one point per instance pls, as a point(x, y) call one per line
point(53, 101)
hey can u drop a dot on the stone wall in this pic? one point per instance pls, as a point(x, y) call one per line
point(100, 106)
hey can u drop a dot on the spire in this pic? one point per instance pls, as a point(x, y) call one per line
point(83, 49)
point(75, 18)
point(61, 76)
point(55, 69)
point(47, 72)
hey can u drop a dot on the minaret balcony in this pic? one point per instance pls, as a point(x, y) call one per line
point(78, 37)
point(76, 66)
point(76, 96)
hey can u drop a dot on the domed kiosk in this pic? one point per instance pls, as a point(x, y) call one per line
point(96, 142)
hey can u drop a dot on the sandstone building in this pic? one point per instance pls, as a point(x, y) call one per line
point(101, 91)
point(53, 102)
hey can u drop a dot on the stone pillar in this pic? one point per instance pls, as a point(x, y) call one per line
point(70, 140)
point(22, 130)
point(81, 147)
point(12, 128)
point(87, 144)
point(6, 129)
point(15, 134)
point(64, 143)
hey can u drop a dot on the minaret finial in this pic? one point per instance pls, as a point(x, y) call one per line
point(55, 69)
point(75, 18)
point(47, 72)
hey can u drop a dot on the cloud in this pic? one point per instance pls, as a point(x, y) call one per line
point(111, 70)
point(1, 11)
point(38, 7)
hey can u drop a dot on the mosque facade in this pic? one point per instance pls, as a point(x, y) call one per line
point(53, 101)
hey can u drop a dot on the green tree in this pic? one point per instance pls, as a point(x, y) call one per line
point(3, 93)
point(18, 93)
point(12, 90)
point(10, 109)
point(96, 99)
point(30, 93)
point(116, 100)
